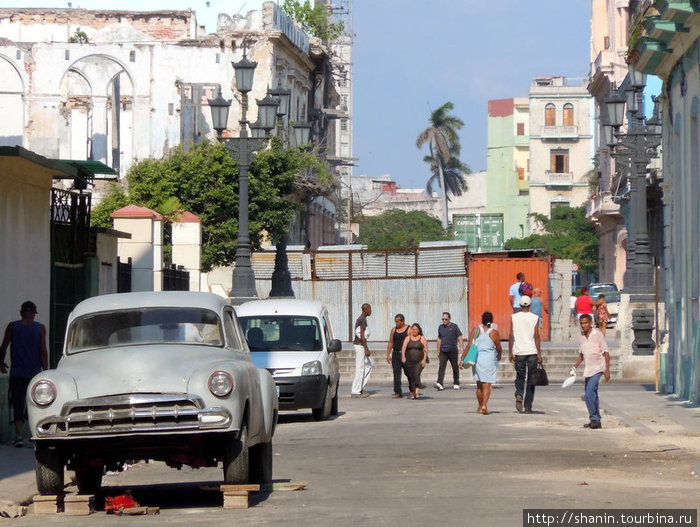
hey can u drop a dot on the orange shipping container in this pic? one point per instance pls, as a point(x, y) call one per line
point(490, 278)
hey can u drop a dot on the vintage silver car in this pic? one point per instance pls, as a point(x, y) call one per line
point(160, 376)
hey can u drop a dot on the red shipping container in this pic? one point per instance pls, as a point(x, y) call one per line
point(490, 278)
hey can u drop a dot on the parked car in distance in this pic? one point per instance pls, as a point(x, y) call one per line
point(612, 298)
point(294, 340)
point(161, 376)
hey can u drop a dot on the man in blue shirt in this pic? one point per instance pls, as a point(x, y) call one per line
point(514, 293)
point(28, 356)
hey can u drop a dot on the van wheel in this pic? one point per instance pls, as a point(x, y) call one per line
point(324, 412)
point(334, 402)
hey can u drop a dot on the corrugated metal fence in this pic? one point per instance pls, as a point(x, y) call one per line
point(420, 283)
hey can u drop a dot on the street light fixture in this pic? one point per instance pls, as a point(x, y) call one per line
point(242, 149)
point(302, 133)
point(636, 148)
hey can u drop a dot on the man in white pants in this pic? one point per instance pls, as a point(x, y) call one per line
point(363, 363)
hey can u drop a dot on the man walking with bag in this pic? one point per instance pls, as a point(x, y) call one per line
point(524, 353)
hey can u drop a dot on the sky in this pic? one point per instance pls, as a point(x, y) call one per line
point(412, 56)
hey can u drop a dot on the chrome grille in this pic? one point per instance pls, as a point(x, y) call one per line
point(133, 414)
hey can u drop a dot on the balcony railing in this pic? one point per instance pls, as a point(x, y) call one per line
point(559, 179)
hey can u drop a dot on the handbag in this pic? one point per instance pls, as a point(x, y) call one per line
point(539, 376)
point(472, 354)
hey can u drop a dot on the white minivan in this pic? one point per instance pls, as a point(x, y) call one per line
point(293, 340)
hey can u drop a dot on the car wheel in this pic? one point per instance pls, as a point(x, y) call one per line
point(261, 463)
point(323, 412)
point(237, 459)
point(89, 480)
point(49, 471)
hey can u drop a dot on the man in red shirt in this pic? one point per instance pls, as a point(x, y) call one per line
point(593, 350)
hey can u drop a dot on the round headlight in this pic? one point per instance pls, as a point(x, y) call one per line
point(220, 383)
point(43, 392)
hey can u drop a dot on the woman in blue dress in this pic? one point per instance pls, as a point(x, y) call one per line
point(485, 369)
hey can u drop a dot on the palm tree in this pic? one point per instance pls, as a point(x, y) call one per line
point(443, 143)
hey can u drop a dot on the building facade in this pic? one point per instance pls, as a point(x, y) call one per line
point(666, 43)
point(562, 148)
point(119, 87)
point(608, 70)
point(507, 166)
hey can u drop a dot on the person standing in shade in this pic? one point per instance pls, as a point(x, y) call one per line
point(593, 350)
point(414, 354)
point(536, 305)
point(514, 292)
point(363, 362)
point(525, 353)
point(449, 342)
point(28, 356)
point(393, 351)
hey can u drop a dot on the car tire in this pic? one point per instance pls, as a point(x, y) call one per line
point(323, 412)
point(334, 402)
point(49, 471)
point(89, 480)
point(261, 463)
point(237, 459)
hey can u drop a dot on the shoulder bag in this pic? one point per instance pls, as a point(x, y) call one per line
point(473, 353)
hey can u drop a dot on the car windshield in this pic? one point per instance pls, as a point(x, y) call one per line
point(612, 296)
point(148, 325)
point(282, 333)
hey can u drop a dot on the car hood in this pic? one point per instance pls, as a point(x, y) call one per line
point(123, 370)
point(283, 359)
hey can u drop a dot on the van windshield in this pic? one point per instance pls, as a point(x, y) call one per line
point(282, 333)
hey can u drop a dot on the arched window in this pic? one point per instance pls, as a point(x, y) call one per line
point(550, 116)
point(568, 114)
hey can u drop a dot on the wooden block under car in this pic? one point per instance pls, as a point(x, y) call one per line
point(78, 504)
point(236, 496)
point(46, 504)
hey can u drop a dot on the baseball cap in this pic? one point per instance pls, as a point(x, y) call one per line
point(28, 306)
point(525, 300)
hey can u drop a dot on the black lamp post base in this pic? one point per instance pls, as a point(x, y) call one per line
point(642, 326)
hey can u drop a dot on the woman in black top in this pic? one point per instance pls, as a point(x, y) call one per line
point(414, 355)
point(393, 351)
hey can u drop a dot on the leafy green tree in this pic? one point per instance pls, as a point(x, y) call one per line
point(566, 235)
point(398, 229)
point(204, 180)
point(443, 143)
point(314, 20)
point(114, 199)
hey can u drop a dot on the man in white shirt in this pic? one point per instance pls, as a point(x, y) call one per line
point(514, 292)
point(593, 350)
point(525, 352)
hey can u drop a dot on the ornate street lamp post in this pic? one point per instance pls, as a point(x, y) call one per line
point(635, 149)
point(242, 149)
point(282, 277)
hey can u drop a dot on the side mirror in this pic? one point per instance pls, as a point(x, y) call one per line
point(334, 346)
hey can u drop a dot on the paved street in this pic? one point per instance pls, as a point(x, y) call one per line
point(435, 461)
